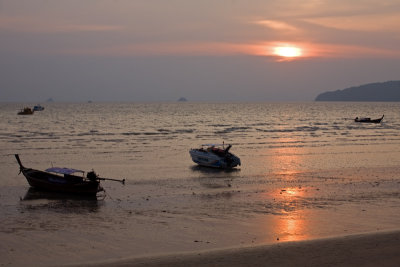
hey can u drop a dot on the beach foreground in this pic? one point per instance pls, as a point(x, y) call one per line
point(372, 249)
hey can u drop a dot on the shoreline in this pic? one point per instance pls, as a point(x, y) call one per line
point(369, 249)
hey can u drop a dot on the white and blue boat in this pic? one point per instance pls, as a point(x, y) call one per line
point(214, 155)
point(38, 108)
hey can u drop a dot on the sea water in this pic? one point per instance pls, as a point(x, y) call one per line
point(143, 139)
point(308, 170)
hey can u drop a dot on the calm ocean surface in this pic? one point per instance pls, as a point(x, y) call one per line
point(304, 163)
point(151, 141)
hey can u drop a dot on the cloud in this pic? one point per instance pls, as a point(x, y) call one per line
point(318, 27)
point(163, 49)
point(277, 25)
point(365, 23)
point(36, 25)
point(355, 51)
point(218, 49)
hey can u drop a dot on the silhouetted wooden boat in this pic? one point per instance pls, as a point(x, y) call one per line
point(62, 180)
point(368, 120)
point(25, 111)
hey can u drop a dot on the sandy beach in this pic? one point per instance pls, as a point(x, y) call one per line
point(372, 249)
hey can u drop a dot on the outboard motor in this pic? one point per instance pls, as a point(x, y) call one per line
point(228, 160)
point(92, 176)
point(227, 149)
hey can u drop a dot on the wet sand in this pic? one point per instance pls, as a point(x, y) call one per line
point(180, 223)
point(372, 249)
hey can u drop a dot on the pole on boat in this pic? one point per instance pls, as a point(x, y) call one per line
point(93, 176)
point(21, 167)
point(110, 179)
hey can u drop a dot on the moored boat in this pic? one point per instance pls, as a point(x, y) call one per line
point(25, 111)
point(63, 180)
point(38, 107)
point(213, 155)
point(368, 120)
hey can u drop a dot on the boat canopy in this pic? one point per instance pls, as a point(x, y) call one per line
point(63, 170)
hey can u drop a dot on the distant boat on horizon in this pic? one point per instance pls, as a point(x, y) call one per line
point(25, 111)
point(38, 107)
point(368, 120)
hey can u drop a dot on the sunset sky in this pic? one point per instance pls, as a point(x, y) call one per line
point(219, 50)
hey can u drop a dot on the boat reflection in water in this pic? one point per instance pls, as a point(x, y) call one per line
point(35, 199)
point(213, 171)
point(213, 178)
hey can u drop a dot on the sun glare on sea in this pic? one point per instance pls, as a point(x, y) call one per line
point(287, 51)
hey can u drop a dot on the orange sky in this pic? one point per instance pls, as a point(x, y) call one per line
point(317, 30)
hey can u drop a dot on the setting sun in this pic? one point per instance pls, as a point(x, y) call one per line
point(287, 51)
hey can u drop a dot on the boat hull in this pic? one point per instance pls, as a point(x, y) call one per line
point(26, 111)
point(70, 184)
point(368, 120)
point(38, 108)
point(208, 159)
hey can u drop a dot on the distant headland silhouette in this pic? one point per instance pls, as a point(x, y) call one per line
point(380, 92)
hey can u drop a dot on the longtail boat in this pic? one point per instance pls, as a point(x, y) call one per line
point(63, 180)
point(25, 111)
point(369, 120)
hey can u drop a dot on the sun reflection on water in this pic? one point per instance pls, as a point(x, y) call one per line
point(287, 159)
point(291, 229)
point(290, 226)
point(289, 222)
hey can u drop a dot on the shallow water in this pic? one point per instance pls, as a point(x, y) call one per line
point(308, 170)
